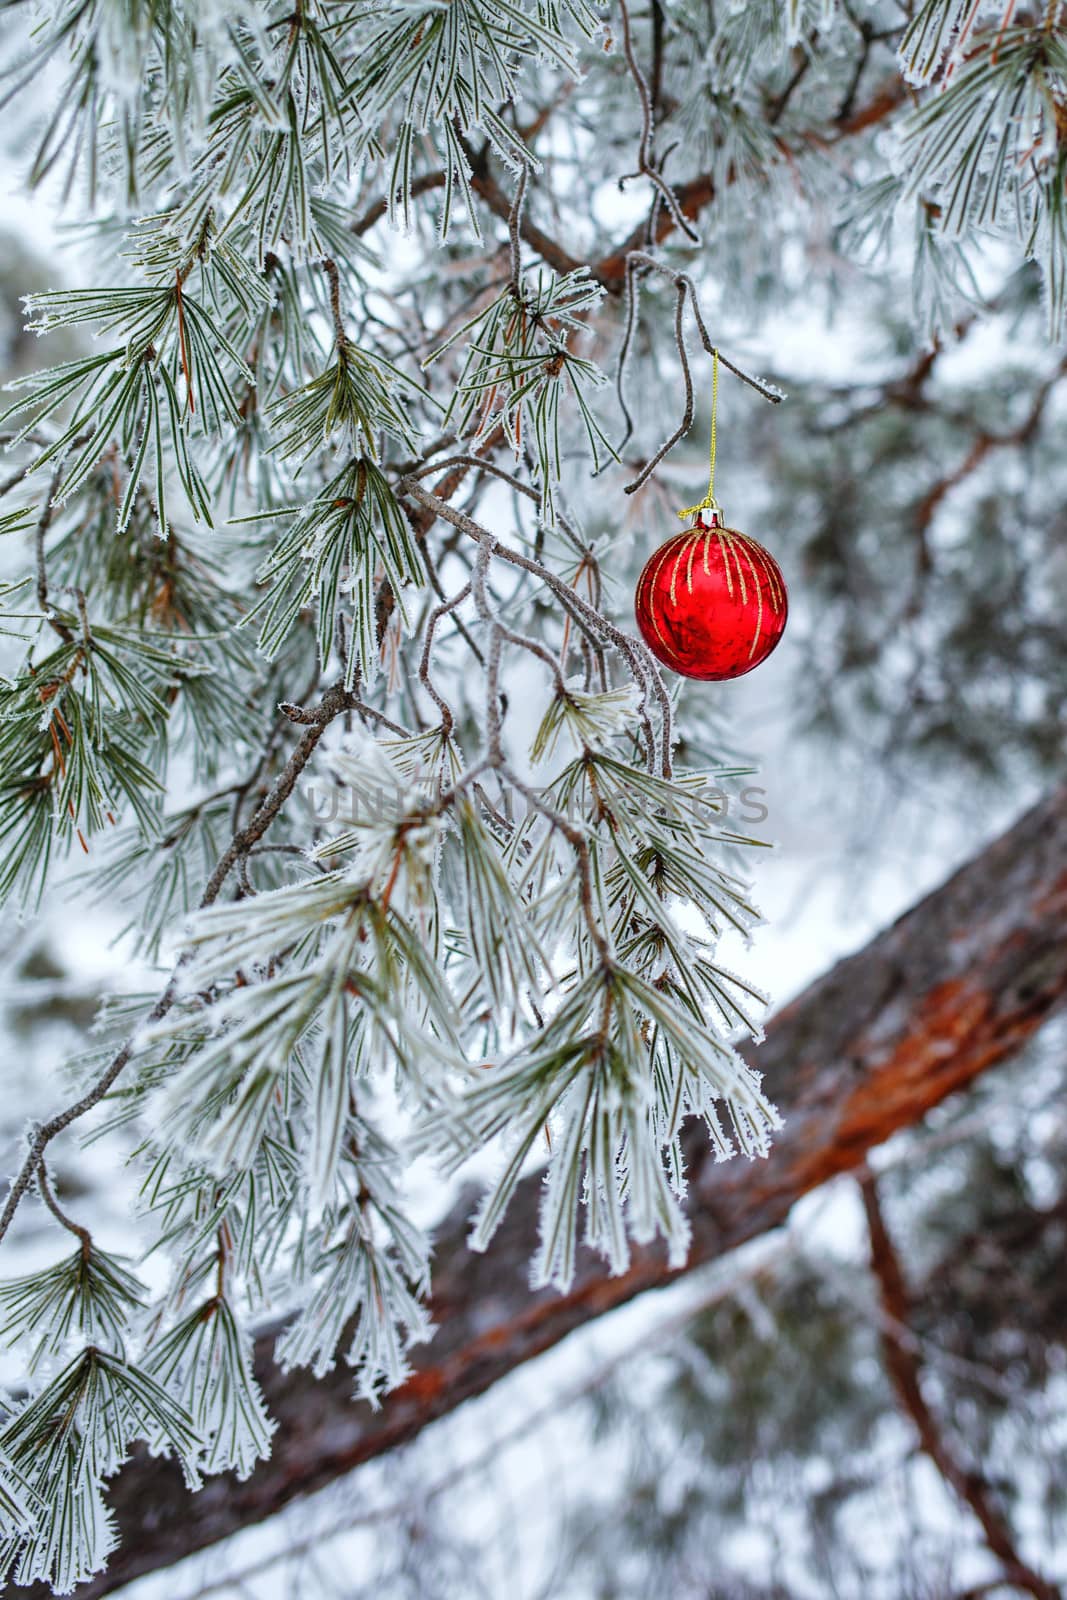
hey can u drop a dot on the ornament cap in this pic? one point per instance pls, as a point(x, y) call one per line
point(708, 514)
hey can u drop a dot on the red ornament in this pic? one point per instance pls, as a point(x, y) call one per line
point(711, 602)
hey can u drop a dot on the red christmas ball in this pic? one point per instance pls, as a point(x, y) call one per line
point(711, 602)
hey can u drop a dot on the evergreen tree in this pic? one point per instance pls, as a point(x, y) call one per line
point(318, 635)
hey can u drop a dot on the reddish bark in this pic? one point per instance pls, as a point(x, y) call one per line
point(957, 984)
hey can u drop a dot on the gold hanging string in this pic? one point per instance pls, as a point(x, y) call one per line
point(709, 502)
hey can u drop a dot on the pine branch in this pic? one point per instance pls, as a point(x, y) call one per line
point(956, 985)
point(248, 339)
point(335, 701)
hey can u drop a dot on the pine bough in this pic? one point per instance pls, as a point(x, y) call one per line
point(223, 495)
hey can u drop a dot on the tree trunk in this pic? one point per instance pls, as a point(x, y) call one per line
point(957, 984)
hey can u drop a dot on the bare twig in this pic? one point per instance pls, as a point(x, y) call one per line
point(336, 700)
point(515, 234)
point(768, 391)
point(633, 291)
point(44, 522)
point(687, 416)
point(443, 610)
point(47, 1194)
point(329, 267)
point(778, 105)
point(644, 668)
point(645, 159)
point(380, 207)
point(902, 1365)
point(685, 289)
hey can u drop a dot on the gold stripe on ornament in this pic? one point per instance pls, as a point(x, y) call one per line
point(683, 546)
point(665, 554)
point(770, 570)
point(747, 548)
point(691, 543)
point(726, 544)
